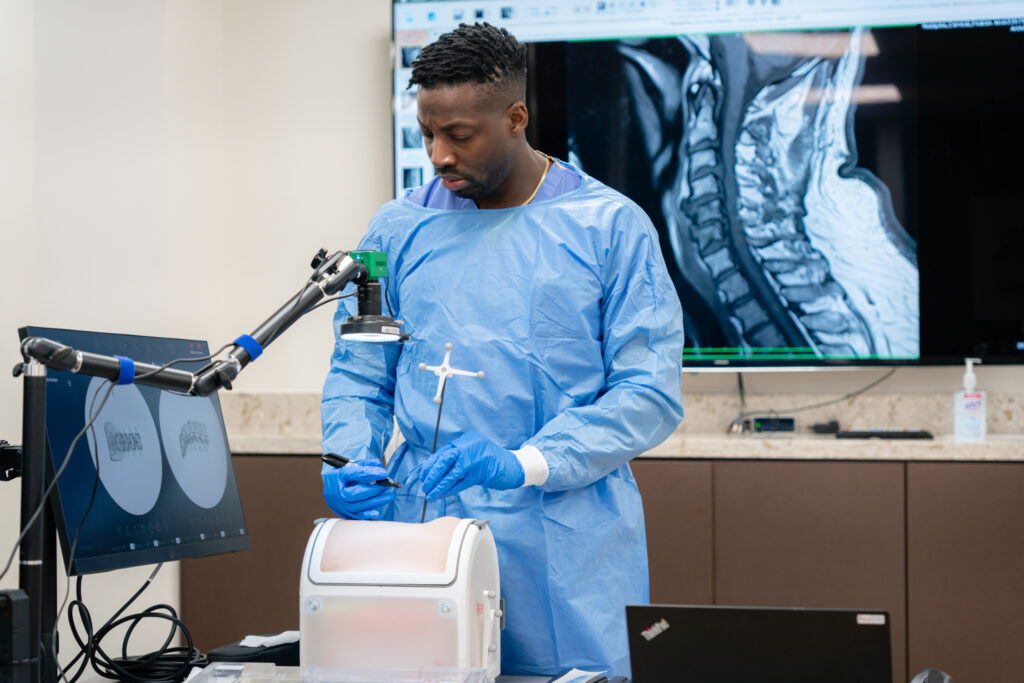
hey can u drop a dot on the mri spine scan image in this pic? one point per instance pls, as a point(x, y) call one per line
point(747, 162)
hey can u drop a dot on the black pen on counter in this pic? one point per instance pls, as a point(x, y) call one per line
point(335, 460)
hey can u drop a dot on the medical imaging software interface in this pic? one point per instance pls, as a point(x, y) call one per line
point(166, 488)
point(835, 194)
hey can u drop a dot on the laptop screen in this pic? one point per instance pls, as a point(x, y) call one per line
point(716, 644)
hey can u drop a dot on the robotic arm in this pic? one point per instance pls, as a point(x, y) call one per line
point(331, 273)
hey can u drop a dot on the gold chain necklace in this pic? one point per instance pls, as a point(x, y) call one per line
point(547, 167)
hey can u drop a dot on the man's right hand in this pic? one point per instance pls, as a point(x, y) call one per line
point(350, 492)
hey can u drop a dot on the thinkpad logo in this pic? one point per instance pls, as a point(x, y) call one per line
point(654, 630)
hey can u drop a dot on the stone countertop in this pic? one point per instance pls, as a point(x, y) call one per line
point(823, 447)
point(289, 424)
point(741, 447)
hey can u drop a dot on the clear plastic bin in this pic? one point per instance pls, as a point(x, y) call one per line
point(220, 672)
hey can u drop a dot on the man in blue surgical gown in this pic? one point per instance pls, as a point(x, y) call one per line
point(554, 285)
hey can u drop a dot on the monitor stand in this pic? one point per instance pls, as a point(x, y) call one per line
point(37, 571)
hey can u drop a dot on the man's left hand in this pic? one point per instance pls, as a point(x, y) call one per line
point(469, 460)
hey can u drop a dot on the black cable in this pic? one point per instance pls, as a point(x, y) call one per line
point(737, 424)
point(92, 499)
point(298, 297)
point(49, 489)
point(845, 397)
point(164, 665)
point(333, 298)
point(387, 300)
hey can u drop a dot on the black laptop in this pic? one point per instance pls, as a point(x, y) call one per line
point(714, 644)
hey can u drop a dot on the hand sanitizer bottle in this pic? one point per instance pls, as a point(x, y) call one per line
point(969, 418)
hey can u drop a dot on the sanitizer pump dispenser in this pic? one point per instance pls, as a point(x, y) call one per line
point(969, 415)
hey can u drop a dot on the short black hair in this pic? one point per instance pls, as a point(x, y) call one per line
point(480, 53)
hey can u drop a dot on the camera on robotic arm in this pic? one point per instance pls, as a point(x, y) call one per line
point(369, 324)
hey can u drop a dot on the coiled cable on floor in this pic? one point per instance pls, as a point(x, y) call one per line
point(167, 664)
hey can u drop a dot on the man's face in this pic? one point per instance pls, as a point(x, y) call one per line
point(469, 134)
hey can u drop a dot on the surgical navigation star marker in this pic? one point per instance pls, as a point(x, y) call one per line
point(444, 370)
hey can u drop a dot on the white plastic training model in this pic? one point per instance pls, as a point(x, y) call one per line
point(394, 594)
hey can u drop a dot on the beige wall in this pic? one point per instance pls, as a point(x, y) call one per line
point(17, 230)
point(169, 167)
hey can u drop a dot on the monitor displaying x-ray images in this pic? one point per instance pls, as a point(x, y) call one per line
point(823, 196)
point(153, 472)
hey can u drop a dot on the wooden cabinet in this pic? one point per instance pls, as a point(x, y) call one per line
point(938, 545)
point(965, 569)
point(677, 512)
point(801, 534)
point(812, 534)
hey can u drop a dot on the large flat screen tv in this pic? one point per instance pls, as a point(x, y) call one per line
point(831, 186)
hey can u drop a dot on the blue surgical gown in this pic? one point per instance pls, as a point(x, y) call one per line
point(567, 307)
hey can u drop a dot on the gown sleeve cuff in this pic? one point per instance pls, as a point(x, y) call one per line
point(535, 467)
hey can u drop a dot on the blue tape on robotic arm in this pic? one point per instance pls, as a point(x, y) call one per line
point(251, 346)
point(126, 370)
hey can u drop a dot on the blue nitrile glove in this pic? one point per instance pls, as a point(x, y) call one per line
point(469, 460)
point(350, 492)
